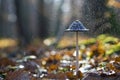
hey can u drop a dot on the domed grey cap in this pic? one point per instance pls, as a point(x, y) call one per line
point(77, 26)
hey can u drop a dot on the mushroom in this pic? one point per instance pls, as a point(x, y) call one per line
point(77, 26)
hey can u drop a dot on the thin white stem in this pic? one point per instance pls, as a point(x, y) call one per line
point(77, 53)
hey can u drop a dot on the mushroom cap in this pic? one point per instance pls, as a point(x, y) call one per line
point(77, 26)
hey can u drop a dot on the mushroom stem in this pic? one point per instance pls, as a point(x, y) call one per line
point(77, 53)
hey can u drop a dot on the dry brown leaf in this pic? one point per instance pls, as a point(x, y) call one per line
point(17, 75)
point(79, 75)
point(69, 75)
point(57, 76)
point(6, 62)
point(53, 67)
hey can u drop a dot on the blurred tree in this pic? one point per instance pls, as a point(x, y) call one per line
point(60, 21)
point(55, 14)
point(93, 13)
point(0, 17)
point(29, 19)
point(113, 8)
point(8, 19)
point(33, 18)
point(43, 20)
point(100, 18)
point(22, 11)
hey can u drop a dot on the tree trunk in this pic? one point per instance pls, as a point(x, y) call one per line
point(8, 19)
point(23, 21)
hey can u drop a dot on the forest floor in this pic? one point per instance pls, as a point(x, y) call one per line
point(98, 59)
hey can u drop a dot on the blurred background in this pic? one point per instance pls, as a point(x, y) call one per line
point(27, 20)
point(33, 41)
